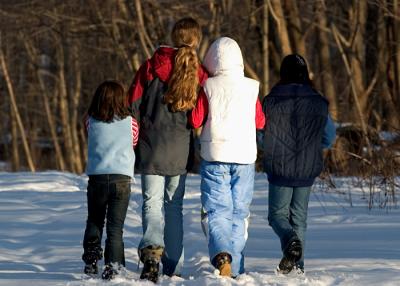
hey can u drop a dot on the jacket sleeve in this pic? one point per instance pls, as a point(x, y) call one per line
point(260, 117)
point(200, 111)
point(135, 132)
point(260, 133)
point(329, 133)
point(136, 89)
point(203, 75)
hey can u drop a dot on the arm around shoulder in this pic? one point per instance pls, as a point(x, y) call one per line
point(260, 117)
point(200, 111)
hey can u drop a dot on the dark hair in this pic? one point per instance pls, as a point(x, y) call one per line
point(294, 70)
point(109, 101)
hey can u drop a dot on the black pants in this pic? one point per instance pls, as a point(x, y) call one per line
point(107, 195)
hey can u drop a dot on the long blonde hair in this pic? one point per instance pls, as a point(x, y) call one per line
point(184, 82)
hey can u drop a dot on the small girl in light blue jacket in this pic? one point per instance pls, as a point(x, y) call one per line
point(112, 135)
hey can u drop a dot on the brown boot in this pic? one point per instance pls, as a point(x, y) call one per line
point(222, 261)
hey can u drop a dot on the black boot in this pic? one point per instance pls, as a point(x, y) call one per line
point(91, 257)
point(91, 269)
point(109, 273)
point(150, 270)
point(151, 257)
point(291, 255)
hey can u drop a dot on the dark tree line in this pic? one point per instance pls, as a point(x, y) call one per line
point(54, 53)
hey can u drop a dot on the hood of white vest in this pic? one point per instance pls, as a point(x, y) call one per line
point(224, 57)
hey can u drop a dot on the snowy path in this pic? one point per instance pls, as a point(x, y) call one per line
point(42, 219)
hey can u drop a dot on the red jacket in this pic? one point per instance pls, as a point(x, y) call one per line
point(159, 65)
point(165, 138)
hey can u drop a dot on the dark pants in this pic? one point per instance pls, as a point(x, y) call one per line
point(107, 195)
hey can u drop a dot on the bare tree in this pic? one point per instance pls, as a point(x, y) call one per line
point(46, 103)
point(325, 58)
point(16, 111)
point(56, 54)
point(265, 52)
point(276, 10)
point(295, 26)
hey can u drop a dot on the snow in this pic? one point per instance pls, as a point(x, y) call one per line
point(3, 166)
point(42, 220)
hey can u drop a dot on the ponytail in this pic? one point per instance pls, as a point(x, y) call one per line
point(184, 82)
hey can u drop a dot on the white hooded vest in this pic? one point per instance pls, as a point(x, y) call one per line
point(229, 134)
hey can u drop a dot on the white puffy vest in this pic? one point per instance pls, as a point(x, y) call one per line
point(229, 135)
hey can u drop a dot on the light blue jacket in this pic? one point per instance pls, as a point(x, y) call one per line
point(110, 147)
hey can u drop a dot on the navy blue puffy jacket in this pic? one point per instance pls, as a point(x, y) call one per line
point(296, 115)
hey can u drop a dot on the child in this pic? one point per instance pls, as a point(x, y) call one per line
point(299, 127)
point(229, 105)
point(163, 91)
point(111, 137)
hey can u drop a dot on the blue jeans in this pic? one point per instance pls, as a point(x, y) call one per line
point(226, 194)
point(107, 196)
point(164, 192)
point(287, 213)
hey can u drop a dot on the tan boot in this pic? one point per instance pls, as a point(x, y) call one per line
point(225, 269)
point(222, 261)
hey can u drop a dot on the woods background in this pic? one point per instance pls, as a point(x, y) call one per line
point(54, 53)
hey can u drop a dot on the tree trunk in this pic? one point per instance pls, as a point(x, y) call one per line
point(396, 57)
point(325, 59)
point(275, 57)
point(16, 112)
point(295, 27)
point(250, 72)
point(125, 12)
point(15, 162)
point(279, 17)
point(52, 125)
point(46, 103)
point(358, 19)
point(64, 109)
point(359, 111)
point(76, 94)
point(143, 35)
point(212, 29)
point(385, 53)
point(265, 54)
point(113, 32)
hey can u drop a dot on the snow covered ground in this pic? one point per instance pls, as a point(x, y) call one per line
point(42, 219)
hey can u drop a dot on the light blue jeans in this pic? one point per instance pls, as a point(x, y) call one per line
point(165, 230)
point(226, 194)
point(287, 214)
